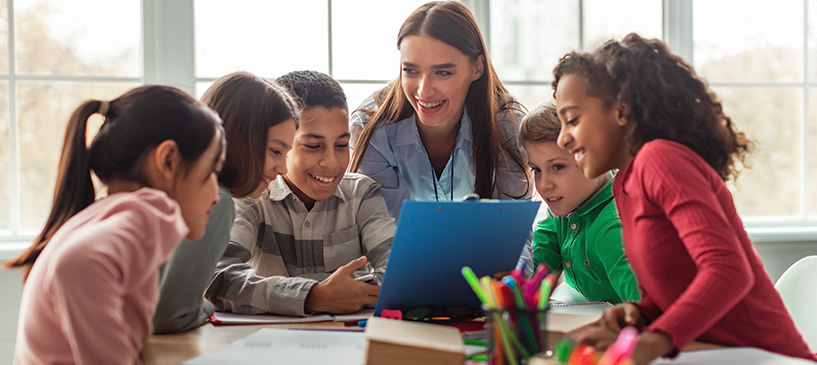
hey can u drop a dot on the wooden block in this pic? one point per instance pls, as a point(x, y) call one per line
point(406, 342)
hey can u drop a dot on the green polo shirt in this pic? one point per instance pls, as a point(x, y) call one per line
point(587, 246)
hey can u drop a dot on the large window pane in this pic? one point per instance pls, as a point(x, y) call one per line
point(812, 39)
point(530, 96)
point(201, 87)
point(604, 19)
point(770, 117)
point(268, 38)
point(812, 151)
point(78, 37)
point(357, 93)
point(364, 47)
point(529, 36)
point(4, 30)
point(5, 192)
point(46, 107)
point(739, 40)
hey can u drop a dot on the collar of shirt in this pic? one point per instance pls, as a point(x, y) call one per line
point(407, 132)
point(278, 190)
point(600, 197)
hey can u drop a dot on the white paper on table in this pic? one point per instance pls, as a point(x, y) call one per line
point(280, 346)
point(222, 318)
point(732, 355)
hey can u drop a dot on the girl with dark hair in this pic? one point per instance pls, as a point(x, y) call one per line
point(91, 274)
point(260, 119)
point(634, 106)
point(446, 127)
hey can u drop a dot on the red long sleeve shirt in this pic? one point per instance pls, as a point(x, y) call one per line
point(700, 277)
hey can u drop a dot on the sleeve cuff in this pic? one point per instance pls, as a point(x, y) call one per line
point(288, 296)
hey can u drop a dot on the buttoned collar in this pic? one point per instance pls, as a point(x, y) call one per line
point(407, 132)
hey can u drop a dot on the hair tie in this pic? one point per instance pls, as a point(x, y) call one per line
point(104, 106)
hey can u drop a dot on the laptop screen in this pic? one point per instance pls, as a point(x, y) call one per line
point(434, 240)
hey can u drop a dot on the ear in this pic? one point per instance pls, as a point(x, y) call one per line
point(167, 159)
point(480, 68)
point(620, 113)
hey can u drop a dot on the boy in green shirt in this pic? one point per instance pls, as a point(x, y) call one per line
point(582, 234)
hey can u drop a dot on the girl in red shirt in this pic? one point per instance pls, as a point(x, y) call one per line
point(634, 106)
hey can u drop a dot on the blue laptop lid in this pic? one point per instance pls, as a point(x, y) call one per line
point(434, 240)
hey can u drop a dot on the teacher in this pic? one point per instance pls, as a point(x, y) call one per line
point(446, 127)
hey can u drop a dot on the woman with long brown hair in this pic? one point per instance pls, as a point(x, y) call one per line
point(446, 127)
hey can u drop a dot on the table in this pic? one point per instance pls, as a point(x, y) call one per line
point(177, 348)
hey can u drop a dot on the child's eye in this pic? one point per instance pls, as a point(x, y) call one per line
point(535, 170)
point(558, 167)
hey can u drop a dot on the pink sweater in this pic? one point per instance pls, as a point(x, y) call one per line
point(700, 276)
point(92, 292)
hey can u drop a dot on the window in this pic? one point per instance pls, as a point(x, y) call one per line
point(53, 56)
point(338, 37)
point(758, 58)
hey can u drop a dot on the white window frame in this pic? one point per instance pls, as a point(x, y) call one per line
point(168, 57)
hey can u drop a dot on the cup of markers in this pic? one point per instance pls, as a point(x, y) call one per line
point(516, 313)
point(565, 351)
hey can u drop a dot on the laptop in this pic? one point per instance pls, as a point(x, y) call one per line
point(434, 240)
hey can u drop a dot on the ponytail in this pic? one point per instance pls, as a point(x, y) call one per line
point(135, 123)
point(74, 190)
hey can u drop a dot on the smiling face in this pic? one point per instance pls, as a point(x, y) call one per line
point(558, 179)
point(592, 131)
point(320, 154)
point(435, 79)
point(196, 190)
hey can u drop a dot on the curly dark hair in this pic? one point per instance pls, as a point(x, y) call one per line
point(662, 97)
point(313, 88)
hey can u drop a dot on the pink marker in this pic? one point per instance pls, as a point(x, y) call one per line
point(622, 348)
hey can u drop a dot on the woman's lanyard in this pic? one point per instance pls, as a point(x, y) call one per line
point(451, 180)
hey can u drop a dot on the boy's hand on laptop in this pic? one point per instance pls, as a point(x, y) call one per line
point(341, 293)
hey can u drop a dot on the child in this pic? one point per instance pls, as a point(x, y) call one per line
point(91, 289)
point(634, 106)
point(582, 234)
point(259, 119)
point(446, 127)
point(295, 250)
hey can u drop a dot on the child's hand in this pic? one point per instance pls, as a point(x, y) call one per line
point(621, 316)
point(340, 293)
point(650, 346)
point(604, 331)
point(594, 334)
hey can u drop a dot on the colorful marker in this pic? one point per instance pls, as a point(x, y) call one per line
point(622, 348)
point(473, 282)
